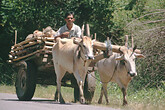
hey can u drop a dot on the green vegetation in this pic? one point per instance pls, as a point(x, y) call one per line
point(145, 99)
point(142, 19)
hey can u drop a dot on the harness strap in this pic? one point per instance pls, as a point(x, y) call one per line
point(111, 77)
point(80, 56)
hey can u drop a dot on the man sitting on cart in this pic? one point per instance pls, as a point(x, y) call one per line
point(69, 29)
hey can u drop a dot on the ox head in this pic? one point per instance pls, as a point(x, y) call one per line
point(86, 47)
point(128, 56)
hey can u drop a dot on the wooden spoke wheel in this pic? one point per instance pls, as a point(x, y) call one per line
point(26, 81)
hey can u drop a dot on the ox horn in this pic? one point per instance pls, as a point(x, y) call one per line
point(126, 40)
point(132, 42)
point(82, 31)
point(87, 30)
point(134, 48)
point(95, 36)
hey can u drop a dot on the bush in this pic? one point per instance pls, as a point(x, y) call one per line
point(149, 33)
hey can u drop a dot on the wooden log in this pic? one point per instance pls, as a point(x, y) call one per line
point(49, 43)
point(10, 56)
point(9, 61)
point(115, 48)
point(15, 37)
point(96, 59)
point(27, 50)
point(28, 45)
point(102, 46)
point(48, 52)
point(48, 47)
point(46, 38)
point(24, 42)
point(19, 58)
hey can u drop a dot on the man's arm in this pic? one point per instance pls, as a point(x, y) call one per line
point(61, 33)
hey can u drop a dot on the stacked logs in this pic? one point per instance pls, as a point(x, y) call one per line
point(31, 47)
point(34, 45)
point(42, 43)
point(26, 49)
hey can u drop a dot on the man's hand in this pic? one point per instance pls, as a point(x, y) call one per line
point(65, 34)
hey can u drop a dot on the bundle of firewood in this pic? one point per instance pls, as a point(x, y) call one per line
point(34, 44)
point(41, 42)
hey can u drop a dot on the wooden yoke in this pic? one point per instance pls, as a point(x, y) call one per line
point(103, 46)
point(115, 48)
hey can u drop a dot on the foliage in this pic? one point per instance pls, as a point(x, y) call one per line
point(149, 33)
point(27, 16)
point(144, 19)
point(145, 99)
point(7, 74)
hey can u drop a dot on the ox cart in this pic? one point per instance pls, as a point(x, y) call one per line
point(32, 59)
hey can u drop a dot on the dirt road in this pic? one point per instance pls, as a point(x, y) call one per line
point(11, 102)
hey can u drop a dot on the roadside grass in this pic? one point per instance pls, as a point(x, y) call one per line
point(146, 99)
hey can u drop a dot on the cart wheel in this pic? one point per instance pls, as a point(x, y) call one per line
point(26, 81)
point(89, 87)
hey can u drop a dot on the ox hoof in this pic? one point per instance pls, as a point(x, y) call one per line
point(62, 101)
point(100, 101)
point(82, 100)
point(125, 103)
point(56, 99)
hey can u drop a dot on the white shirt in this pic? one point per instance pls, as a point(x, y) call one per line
point(74, 32)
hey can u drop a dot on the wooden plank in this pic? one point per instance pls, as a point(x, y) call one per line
point(28, 45)
point(19, 58)
point(15, 37)
point(49, 43)
point(25, 50)
point(48, 52)
point(46, 38)
point(48, 47)
point(24, 42)
point(32, 48)
point(115, 48)
point(102, 46)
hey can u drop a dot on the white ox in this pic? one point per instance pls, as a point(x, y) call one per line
point(73, 57)
point(118, 68)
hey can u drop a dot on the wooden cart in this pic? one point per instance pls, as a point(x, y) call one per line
point(32, 60)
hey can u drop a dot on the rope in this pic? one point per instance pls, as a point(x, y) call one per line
point(111, 77)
